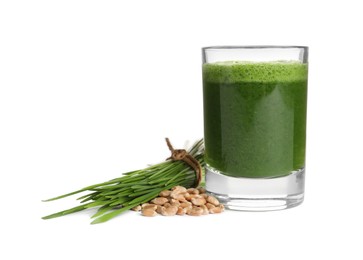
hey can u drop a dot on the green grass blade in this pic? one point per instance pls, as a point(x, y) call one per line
point(84, 189)
point(65, 195)
point(102, 210)
point(121, 201)
point(160, 173)
point(144, 198)
point(97, 203)
point(142, 192)
point(136, 178)
point(66, 212)
point(112, 214)
point(87, 195)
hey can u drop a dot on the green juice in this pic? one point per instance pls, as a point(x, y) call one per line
point(255, 117)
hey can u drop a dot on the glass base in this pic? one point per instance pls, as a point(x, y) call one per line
point(256, 194)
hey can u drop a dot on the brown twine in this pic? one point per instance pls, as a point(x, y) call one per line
point(183, 155)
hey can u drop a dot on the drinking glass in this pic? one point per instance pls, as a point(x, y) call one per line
point(255, 100)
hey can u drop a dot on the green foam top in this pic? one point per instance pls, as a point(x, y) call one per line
point(244, 71)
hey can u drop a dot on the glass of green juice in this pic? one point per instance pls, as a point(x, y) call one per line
point(255, 100)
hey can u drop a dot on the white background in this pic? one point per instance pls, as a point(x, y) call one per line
point(89, 89)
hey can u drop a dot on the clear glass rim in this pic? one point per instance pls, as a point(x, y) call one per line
point(226, 47)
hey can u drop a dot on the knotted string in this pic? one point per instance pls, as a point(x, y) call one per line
point(183, 155)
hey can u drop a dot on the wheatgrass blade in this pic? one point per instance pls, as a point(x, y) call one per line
point(110, 215)
point(65, 212)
